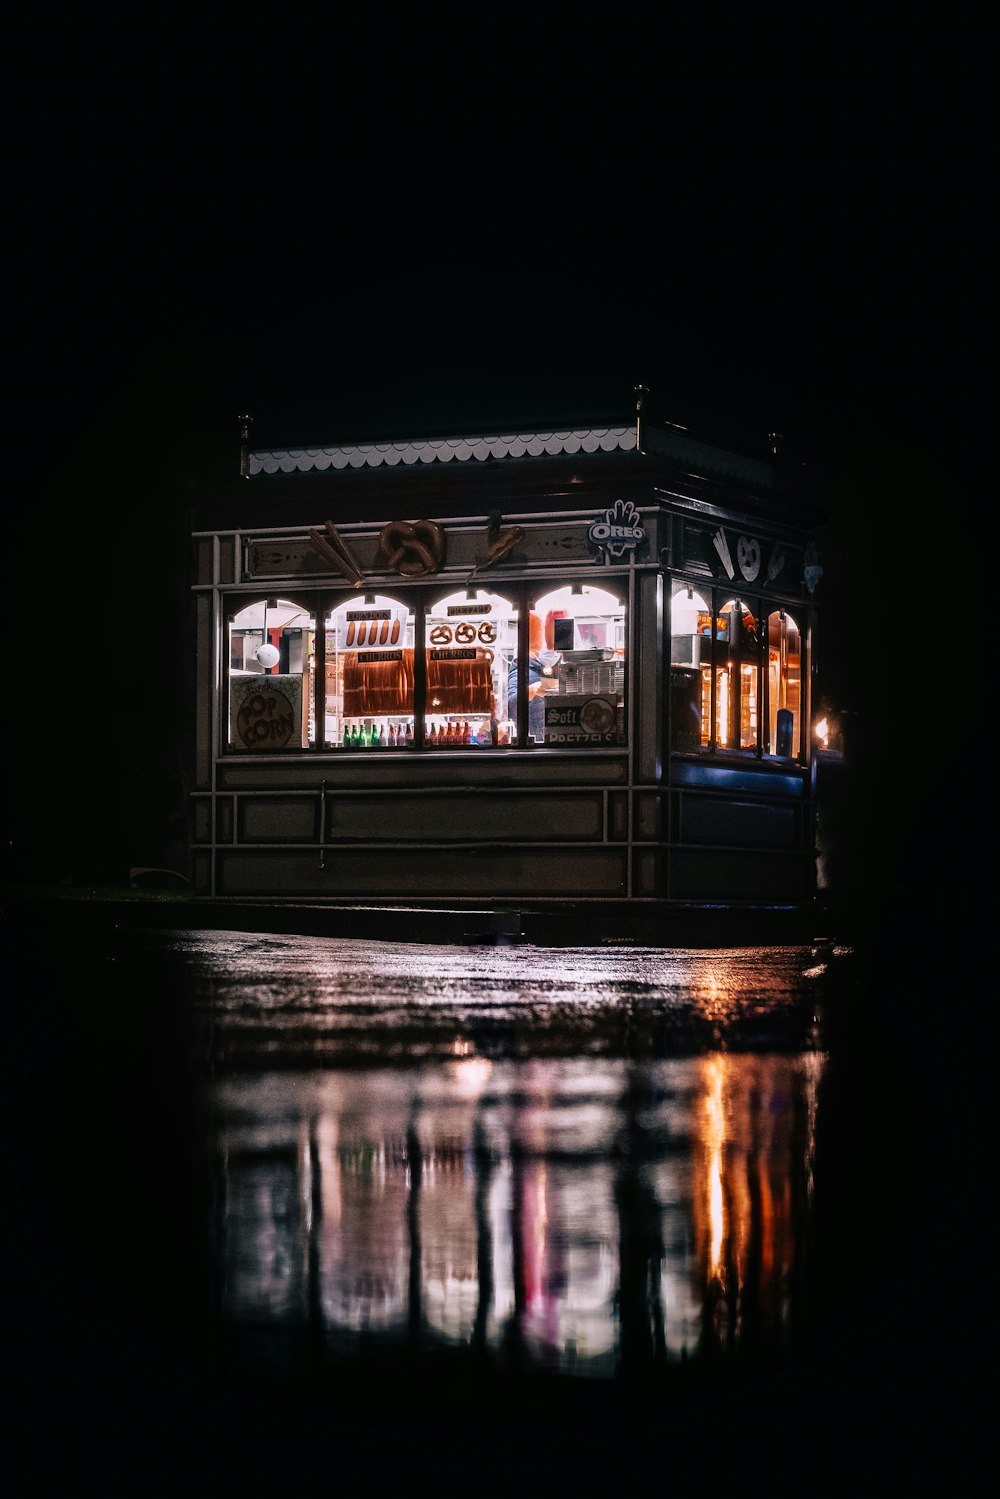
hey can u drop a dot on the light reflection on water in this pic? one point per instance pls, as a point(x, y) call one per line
point(573, 1214)
point(581, 1160)
point(329, 1201)
point(335, 1000)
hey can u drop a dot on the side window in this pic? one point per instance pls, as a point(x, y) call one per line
point(784, 682)
point(690, 721)
point(750, 695)
point(369, 674)
point(271, 662)
point(737, 677)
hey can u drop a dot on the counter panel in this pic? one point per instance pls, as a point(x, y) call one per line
point(408, 873)
point(707, 874)
point(463, 818)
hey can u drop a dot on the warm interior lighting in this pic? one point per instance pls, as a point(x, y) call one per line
point(822, 732)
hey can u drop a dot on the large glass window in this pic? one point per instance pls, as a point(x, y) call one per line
point(470, 641)
point(576, 668)
point(784, 681)
point(730, 688)
point(460, 689)
point(369, 674)
point(271, 659)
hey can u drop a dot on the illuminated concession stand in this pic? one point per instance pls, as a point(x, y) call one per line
point(519, 669)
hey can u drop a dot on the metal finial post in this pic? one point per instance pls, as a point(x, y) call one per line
point(640, 392)
point(246, 422)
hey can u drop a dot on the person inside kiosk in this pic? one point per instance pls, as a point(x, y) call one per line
point(540, 678)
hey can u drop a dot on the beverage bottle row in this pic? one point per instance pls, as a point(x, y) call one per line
point(357, 736)
point(458, 732)
point(400, 736)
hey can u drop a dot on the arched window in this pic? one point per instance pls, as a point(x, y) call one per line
point(784, 684)
point(470, 639)
point(369, 673)
point(737, 677)
point(271, 662)
point(752, 699)
point(576, 667)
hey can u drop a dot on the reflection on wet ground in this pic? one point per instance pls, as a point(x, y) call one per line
point(575, 1215)
point(301, 999)
point(458, 1198)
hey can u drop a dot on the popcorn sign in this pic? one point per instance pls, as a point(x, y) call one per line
point(268, 712)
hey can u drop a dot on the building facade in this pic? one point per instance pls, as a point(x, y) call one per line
point(520, 669)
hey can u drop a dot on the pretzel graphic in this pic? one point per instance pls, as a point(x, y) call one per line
point(464, 633)
point(413, 547)
point(487, 630)
point(440, 635)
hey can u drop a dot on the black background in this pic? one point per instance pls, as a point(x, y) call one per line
point(774, 222)
point(774, 228)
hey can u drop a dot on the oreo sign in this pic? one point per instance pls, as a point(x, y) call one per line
point(620, 529)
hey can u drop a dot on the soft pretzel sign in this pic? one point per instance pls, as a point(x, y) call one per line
point(413, 548)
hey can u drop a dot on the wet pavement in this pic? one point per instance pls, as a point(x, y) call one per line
point(291, 1206)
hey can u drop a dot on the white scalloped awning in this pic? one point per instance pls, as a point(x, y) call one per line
point(700, 457)
point(443, 450)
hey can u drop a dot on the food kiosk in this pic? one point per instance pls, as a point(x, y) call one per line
point(518, 669)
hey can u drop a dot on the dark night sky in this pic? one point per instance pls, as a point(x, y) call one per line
point(777, 229)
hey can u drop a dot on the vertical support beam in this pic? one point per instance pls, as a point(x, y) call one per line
point(246, 423)
point(640, 392)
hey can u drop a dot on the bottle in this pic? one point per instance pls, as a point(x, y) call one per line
point(409, 735)
point(347, 736)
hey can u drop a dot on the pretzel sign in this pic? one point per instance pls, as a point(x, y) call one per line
point(413, 547)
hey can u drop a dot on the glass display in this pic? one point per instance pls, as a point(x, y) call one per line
point(470, 643)
point(369, 674)
point(271, 658)
point(576, 685)
point(784, 671)
point(728, 713)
